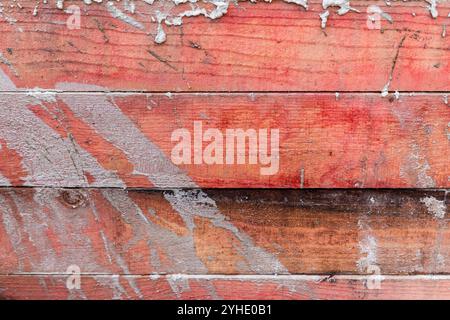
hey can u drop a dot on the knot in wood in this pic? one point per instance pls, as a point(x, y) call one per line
point(73, 198)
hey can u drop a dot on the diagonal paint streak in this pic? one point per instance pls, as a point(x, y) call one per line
point(16, 117)
point(47, 157)
point(88, 257)
point(8, 63)
point(39, 217)
point(192, 203)
point(5, 82)
point(107, 119)
point(180, 249)
point(61, 119)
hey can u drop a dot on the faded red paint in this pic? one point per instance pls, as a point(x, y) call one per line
point(61, 119)
point(269, 48)
point(11, 165)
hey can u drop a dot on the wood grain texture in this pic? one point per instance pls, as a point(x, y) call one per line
point(224, 231)
point(269, 47)
point(186, 243)
point(53, 287)
point(125, 140)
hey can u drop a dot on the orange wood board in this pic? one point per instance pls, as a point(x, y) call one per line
point(254, 47)
point(112, 231)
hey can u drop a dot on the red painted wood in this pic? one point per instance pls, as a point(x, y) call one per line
point(349, 140)
point(99, 140)
point(47, 287)
point(262, 47)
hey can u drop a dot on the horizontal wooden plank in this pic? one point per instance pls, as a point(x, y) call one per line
point(113, 231)
point(255, 47)
point(299, 140)
point(53, 287)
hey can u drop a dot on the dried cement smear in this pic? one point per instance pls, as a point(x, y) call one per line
point(435, 207)
point(172, 12)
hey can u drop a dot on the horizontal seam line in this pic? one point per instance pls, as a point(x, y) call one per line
point(28, 91)
point(343, 276)
point(228, 188)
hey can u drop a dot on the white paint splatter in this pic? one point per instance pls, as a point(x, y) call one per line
point(433, 8)
point(378, 10)
point(324, 18)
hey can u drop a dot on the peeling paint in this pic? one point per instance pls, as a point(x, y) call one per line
point(433, 8)
point(385, 15)
point(172, 12)
point(117, 13)
point(344, 6)
point(324, 19)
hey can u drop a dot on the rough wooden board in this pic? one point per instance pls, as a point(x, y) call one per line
point(360, 140)
point(224, 231)
point(104, 140)
point(262, 47)
point(53, 287)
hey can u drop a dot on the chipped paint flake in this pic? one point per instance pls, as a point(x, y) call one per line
point(324, 19)
point(344, 6)
point(378, 10)
point(433, 8)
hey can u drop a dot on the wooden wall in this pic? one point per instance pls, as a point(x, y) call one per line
point(87, 176)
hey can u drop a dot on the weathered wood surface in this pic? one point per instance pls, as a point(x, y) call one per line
point(53, 287)
point(255, 47)
point(124, 140)
point(224, 231)
point(207, 241)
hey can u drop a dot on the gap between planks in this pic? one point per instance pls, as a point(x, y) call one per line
point(234, 92)
point(209, 189)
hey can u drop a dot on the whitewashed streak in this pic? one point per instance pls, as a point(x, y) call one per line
point(49, 158)
point(107, 119)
